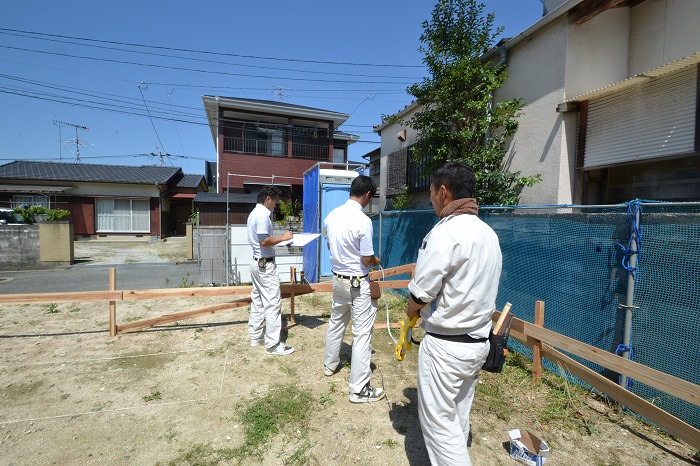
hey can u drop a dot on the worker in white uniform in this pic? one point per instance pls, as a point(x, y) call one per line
point(349, 234)
point(265, 320)
point(454, 288)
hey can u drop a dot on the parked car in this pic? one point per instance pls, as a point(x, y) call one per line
point(9, 217)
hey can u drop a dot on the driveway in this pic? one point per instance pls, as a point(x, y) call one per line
point(138, 265)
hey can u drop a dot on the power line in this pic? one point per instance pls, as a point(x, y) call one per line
point(194, 70)
point(151, 118)
point(212, 53)
point(218, 62)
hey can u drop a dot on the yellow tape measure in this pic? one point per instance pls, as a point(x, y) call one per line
point(404, 344)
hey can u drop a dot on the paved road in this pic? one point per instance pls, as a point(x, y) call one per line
point(96, 277)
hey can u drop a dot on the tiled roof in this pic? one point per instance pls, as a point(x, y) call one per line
point(190, 181)
point(55, 171)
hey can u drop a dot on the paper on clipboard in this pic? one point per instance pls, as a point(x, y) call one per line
point(300, 239)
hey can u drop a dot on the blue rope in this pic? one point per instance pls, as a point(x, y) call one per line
point(621, 348)
point(634, 209)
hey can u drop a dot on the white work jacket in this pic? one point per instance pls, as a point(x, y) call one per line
point(457, 274)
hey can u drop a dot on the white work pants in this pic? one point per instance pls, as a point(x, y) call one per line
point(356, 304)
point(447, 375)
point(266, 304)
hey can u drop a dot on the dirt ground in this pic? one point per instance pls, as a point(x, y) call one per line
point(72, 395)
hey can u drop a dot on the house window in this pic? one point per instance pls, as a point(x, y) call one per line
point(123, 215)
point(24, 199)
point(338, 155)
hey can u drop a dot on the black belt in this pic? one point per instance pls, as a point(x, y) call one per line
point(264, 260)
point(345, 277)
point(458, 338)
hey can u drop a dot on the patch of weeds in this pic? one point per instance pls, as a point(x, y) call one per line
point(198, 333)
point(154, 395)
point(326, 400)
point(74, 308)
point(391, 443)
point(301, 456)
point(283, 407)
point(51, 308)
point(64, 396)
point(333, 387)
point(205, 455)
point(186, 282)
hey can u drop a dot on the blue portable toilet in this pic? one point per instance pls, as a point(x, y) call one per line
point(324, 190)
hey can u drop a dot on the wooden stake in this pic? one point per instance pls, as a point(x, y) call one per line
point(112, 304)
point(537, 346)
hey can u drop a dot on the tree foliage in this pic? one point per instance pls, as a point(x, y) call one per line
point(459, 120)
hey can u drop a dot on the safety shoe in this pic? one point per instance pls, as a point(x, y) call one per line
point(368, 394)
point(257, 342)
point(327, 372)
point(280, 350)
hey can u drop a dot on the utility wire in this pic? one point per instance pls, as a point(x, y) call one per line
point(193, 70)
point(150, 117)
point(218, 62)
point(209, 52)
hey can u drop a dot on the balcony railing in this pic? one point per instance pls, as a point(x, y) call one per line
point(275, 148)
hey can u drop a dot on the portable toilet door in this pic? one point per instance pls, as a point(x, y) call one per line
point(332, 196)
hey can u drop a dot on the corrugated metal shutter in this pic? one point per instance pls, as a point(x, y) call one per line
point(648, 120)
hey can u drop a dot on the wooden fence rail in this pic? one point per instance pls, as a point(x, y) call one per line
point(541, 340)
point(536, 336)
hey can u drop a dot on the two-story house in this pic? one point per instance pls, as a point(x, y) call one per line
point(261, 142)
point(611, 103)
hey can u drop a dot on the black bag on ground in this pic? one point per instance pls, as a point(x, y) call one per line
point(498, 349)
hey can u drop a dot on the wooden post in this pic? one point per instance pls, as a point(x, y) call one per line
point(112, 304)
point(537, 347)
point(293, 279)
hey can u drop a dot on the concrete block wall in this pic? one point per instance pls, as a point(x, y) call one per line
point(19, 247)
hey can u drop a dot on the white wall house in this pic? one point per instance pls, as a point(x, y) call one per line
point(611, 102)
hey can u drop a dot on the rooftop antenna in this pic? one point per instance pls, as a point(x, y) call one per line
point(160, 155)
point(76, 141)
point(279, 92)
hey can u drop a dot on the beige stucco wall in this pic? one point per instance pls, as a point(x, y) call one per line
point(56, 242)
point(663, 31)
point(537, 70)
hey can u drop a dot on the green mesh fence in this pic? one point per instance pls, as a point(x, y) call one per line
point(577, 260)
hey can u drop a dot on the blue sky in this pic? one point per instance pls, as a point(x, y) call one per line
point(109, 65)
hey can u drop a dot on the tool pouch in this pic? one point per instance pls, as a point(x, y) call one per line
point(498, 348)
point(375, 290)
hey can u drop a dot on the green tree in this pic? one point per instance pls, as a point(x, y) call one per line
point(459, 120)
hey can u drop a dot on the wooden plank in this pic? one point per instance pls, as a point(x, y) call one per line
point(639, 405)
point(69, 297)
point(537, 347)
point(393, 284)
point(401, 269)
point(187, 292)
point(667, 383)
point(167, 318)
point(304, 288)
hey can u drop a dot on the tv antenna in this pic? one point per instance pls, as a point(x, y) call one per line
point(278, 91)
point(76, 141)
point(160, 155)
